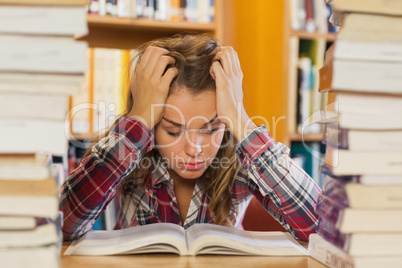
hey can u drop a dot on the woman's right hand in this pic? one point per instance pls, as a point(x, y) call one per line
point(150, 85)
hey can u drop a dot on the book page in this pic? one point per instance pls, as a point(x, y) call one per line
point(159, 237)
point(215, 239)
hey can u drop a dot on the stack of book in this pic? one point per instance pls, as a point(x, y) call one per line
point(360, 208)
point(41, 65)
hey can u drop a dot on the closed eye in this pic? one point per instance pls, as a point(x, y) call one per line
point(203, 131)
point(208, 131)
point(174, 134)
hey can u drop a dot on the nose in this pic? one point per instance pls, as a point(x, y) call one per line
point(193, 145)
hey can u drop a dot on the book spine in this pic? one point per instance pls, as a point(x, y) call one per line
point(305, 65)
point(94, 7)
point(102, 7)
point(202, 11)
point(336, 137)
point(328, 254)
point(332, 28)
point(211, 10)
point(123, 8)
point(140, 8)
point(328, 209)
point(150, 9)
point(320, 16)
point(182, 16)
point(174, 10)
point(310, 23)
point(298, 14)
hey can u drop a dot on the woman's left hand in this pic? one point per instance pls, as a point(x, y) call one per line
point(229, 93)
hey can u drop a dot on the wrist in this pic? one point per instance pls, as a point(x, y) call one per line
point(142, 119)
point(242, 126)
point(246, 126)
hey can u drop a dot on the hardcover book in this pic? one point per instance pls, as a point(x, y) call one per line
point(354, 220)
point(361, 244)
point(365, 179)
point(334, 257)
point(362, 140)
point(391, 7)
point(355, 195)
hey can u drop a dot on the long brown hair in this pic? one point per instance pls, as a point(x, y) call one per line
point(194, 55)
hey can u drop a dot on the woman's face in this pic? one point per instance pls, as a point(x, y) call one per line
point(189, 135)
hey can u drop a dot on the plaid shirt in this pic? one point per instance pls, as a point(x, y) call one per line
point(267, 172)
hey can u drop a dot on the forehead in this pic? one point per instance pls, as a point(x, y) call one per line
point(184, 107)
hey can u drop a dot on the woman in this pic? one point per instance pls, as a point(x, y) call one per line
point(185, 150)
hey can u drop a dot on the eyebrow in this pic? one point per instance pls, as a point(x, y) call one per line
point(180, 125)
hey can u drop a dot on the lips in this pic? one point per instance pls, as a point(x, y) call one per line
point(193, 166)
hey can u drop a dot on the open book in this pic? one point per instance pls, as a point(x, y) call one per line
point(197, 239)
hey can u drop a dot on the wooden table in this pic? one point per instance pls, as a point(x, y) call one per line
point(174, 261)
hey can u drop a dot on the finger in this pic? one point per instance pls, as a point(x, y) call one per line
point(167, 78)
point(217, 71)
point(162, 64)
point(151, 57)
point(224, 57)
point(236, 61)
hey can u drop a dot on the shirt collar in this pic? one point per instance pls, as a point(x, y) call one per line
point(159, 173)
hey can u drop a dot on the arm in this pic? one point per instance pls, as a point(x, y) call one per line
point(283, 188)
point(91, 186)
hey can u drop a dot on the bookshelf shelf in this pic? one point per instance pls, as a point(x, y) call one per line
point(313, 36)
point(314, 137)
point(129, 33)
point(147, 24)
